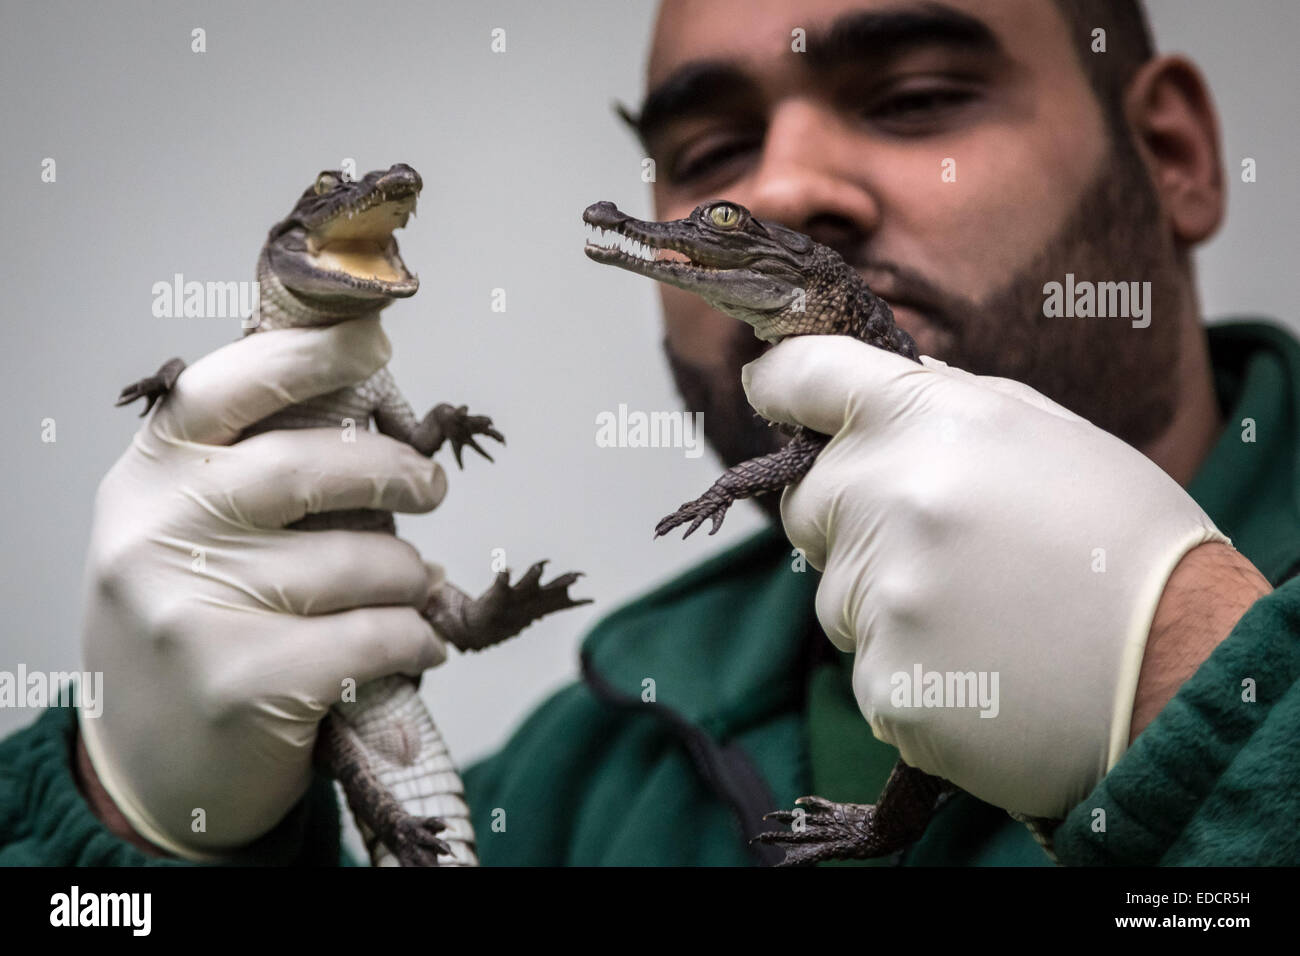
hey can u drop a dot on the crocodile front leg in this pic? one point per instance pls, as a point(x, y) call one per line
point(454, 424)
point(413, 840)
point(153, 387)
point(757, 476)
point(395, 418)
point(500, 612)
point(855, 831)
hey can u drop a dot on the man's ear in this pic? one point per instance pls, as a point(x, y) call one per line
point(1172, 116)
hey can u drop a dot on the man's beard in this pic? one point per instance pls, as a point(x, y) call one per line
point(1122, 379)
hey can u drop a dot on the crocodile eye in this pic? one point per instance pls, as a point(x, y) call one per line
point(325, 182)
point(725, 215)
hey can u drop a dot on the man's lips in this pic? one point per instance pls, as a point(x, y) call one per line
point(892, 284)
point(909, 317)
point(930, 337)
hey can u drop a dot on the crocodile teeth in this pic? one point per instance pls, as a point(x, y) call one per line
point(627, 245)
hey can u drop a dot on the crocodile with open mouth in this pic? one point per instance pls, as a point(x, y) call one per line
point(334, 258)
point(782, 283)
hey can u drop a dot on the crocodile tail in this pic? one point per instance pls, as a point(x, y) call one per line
point(406, 752)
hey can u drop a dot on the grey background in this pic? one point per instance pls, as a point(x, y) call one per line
point(170, 162)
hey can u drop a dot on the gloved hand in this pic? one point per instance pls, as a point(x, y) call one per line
point(969, 524)
point(224, 638)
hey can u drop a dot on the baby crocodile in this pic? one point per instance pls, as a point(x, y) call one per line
point(782, 283)
point(334, 258)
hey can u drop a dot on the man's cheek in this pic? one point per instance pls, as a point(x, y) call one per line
point(1009, 216)
point(973, 210)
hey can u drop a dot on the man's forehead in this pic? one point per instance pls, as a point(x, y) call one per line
point(760, 31)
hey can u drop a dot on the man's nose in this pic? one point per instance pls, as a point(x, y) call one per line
point(807, 177)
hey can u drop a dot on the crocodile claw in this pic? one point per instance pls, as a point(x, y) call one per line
point(710, 506)
point(415, 841)
point(454, 423)
point(153, 387)
point(822, 830)
point(503, 610)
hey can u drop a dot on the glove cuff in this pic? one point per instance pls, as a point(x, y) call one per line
point(1134, 650)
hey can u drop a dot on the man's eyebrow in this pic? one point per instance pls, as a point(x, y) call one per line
point(877, 35)
point(700, 87)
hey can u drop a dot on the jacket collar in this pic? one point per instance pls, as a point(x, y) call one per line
point(1251, 489)
point(719, 641)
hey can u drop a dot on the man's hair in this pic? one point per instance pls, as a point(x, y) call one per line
point(1128, 46)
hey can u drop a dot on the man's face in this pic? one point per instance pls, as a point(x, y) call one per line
point(849, 142)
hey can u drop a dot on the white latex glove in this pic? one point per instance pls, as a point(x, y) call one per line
point(957, 521)
point(224, 638)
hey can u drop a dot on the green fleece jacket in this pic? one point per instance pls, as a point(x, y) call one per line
point(715, 698)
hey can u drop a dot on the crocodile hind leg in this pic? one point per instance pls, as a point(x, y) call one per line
point(153, 387)
point(822, 830)
point(502, 611)
point(757, 476)
point(413, 840)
